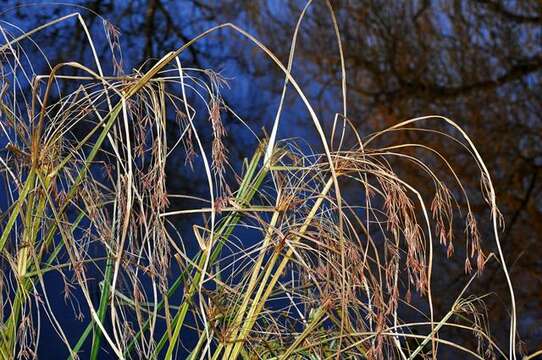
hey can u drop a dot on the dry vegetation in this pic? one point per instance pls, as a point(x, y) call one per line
point(329, 275)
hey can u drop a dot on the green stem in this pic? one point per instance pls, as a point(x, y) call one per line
point(245, 194)
point(104, 301)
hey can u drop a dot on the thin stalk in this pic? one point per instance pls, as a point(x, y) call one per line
point(316, 321)
point(104, 301)
point(259, 302)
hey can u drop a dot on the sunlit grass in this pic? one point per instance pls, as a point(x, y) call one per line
point(326, 276)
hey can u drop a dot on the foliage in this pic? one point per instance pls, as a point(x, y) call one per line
point(288, 264)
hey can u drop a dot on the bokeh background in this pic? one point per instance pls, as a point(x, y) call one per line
point(478, 62)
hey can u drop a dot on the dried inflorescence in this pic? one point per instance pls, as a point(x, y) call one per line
point(288, 263)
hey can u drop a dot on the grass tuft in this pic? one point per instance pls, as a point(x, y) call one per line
point(279, 260)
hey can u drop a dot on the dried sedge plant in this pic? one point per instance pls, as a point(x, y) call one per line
point(287, 265)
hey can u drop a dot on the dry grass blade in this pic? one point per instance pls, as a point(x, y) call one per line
point(278, 260)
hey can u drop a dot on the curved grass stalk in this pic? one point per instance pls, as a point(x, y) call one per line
point(348, 260)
